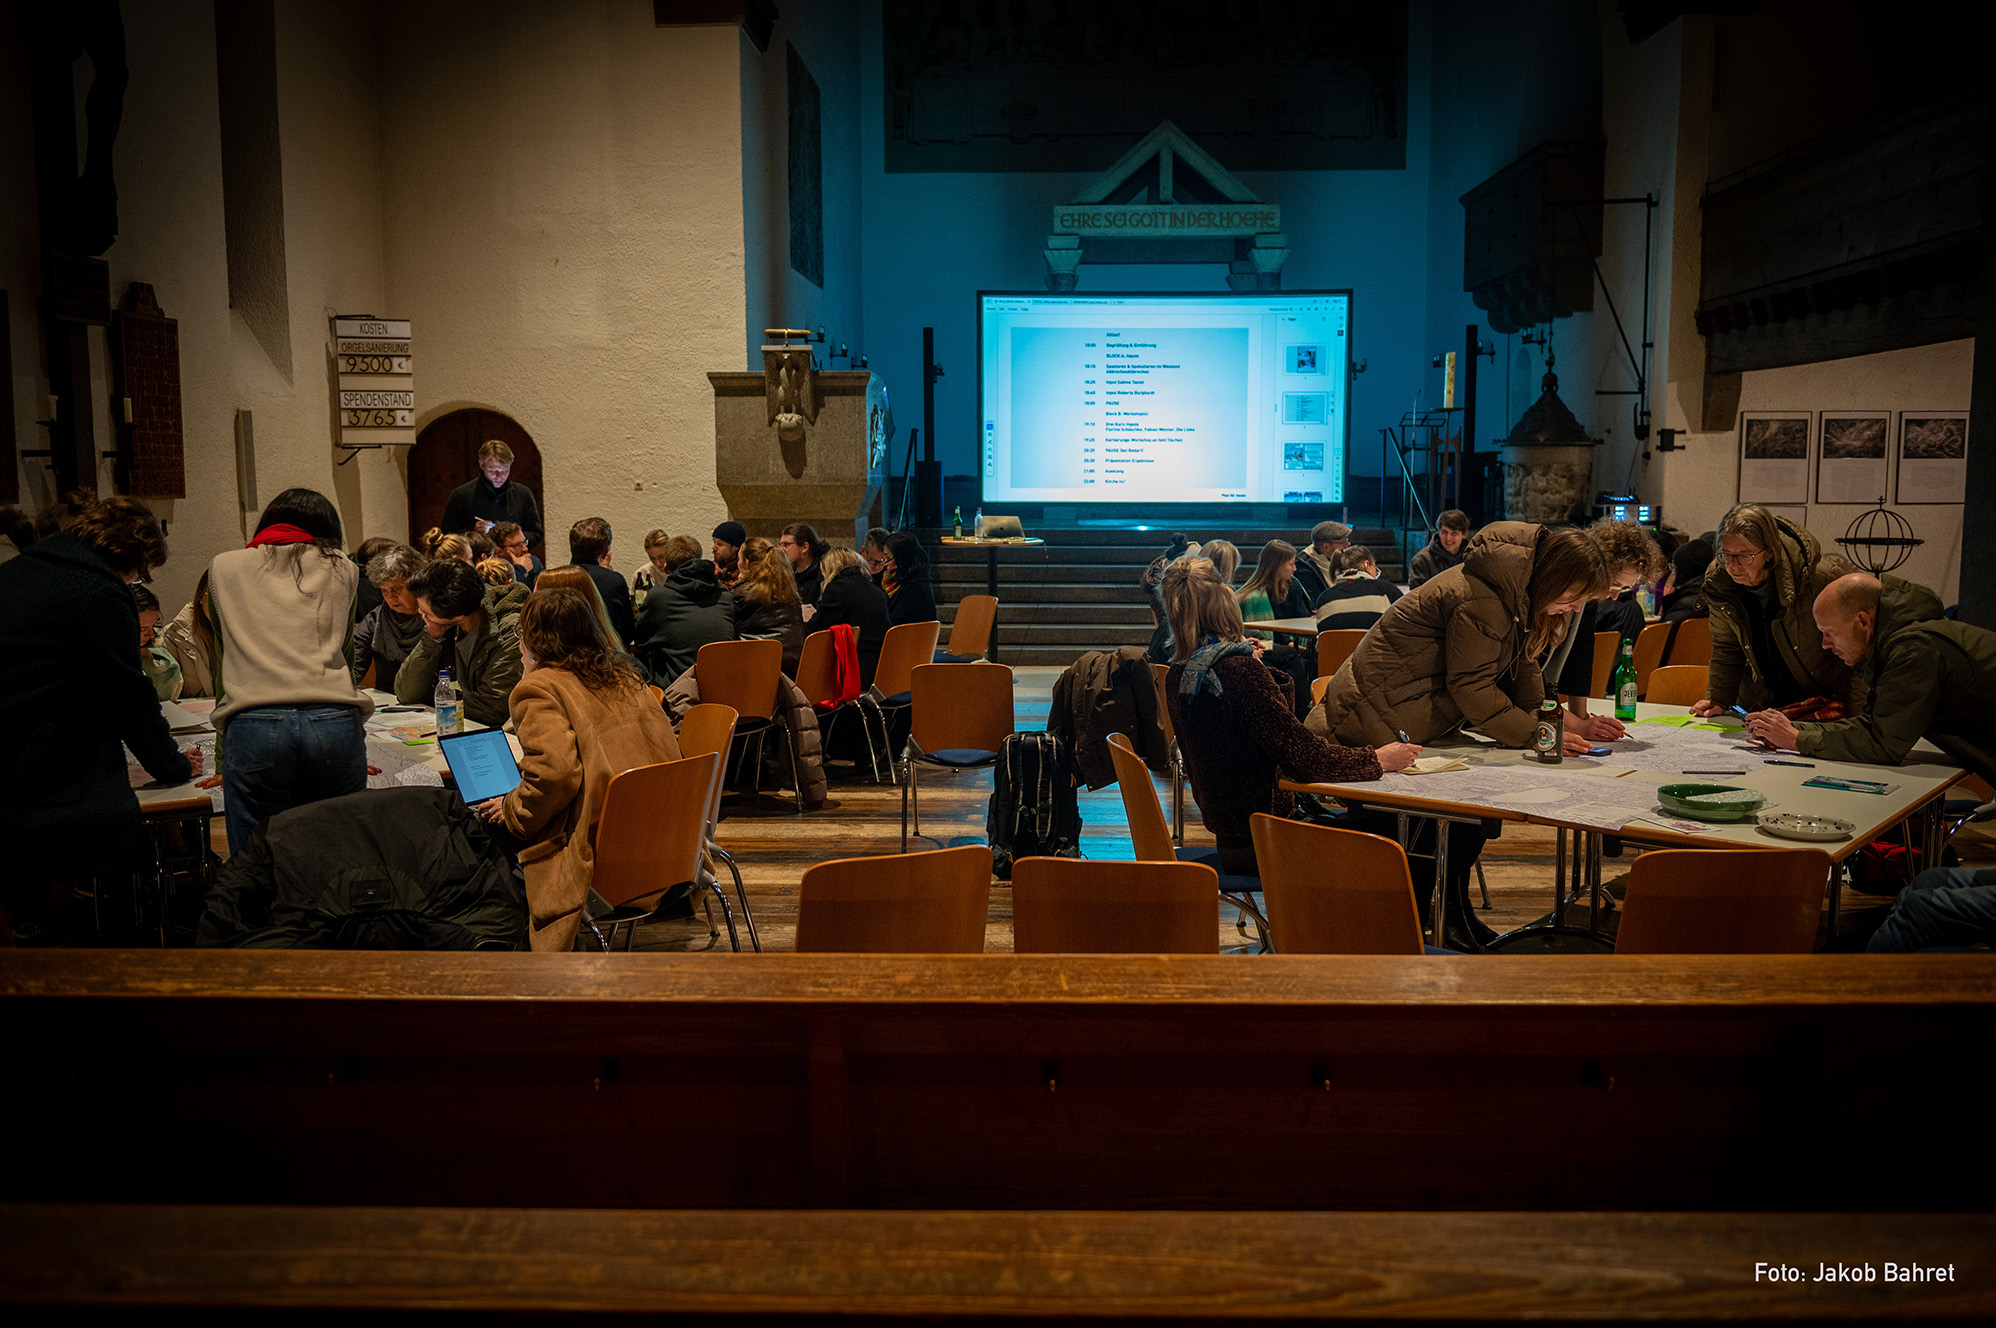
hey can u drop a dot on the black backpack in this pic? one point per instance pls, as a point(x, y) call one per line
point(1034, 813)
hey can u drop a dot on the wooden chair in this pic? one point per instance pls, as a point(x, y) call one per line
point(744, 676)
point(908, 903)
point(1649, 653)
point(657, 693)
point(903, 650)
point(711, 728)
point(962, 714)
point(1157, 673)
point(970, 633)
point(1318, 686)
point(650, 841)
point(1334, 648)
point(818, 679)
point(1072, 906)
point(1679, 684)
point(1724, 901)
point(1150, 838)
point(1693, 644)
point(1606, 646)
point(1332, 891)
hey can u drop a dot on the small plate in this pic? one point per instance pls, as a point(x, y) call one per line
point(1793, 825)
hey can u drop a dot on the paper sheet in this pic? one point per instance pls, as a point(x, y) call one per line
point(1584, 799)
point(181, 720)
point(1434, 765)
point(1673, 751)
point(398, 768)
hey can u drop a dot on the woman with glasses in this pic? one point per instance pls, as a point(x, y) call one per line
point(1760, 592)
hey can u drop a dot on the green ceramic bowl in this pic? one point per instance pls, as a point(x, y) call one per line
point(1687, 800)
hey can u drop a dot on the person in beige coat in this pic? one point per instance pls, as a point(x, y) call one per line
point(582, 717)
point(1465, 647)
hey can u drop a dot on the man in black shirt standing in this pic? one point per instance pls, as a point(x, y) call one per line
point(482, 504)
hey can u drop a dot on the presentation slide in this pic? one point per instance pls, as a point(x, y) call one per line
point(1163, 398)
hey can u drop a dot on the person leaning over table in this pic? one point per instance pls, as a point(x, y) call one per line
point(72, 698)
point(289, 720)
point(367, 599)
point(190, 638)
point(385, 636)
point(470, 629)
point(1766, 650)
point(1236, 720)
point(582, 716)
point(1632, 555)
point(1466, 649)
point(1923, 675)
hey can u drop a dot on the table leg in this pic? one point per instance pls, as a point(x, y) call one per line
point(1558, 873)
point(991, 588)
point(1593, 881)
point(1441, 878)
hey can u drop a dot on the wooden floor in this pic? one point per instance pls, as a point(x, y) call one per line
point(774, 846)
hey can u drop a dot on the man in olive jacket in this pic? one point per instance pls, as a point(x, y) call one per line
point(470, 628)
point(1925, 674)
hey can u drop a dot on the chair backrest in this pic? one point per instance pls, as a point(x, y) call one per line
point(709, 728)
point(1157, 672)
point(961, 707)
point(907, 903)
point(970, 633)
point(1334, 648)
point(1679, 684)
point(1318, 686)
point(1076, 906)
point(1150, 836)
point(657, 692)
point(1606, 646)
point(904, 649)
point(1693, 644)
point(1649, 653)
point(1332, 891)
point(654, 827)
point(740, 674)
point(818, 668)
point(1724, 901)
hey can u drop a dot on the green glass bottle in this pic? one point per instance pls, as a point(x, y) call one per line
point(956, 519)
point(1623, 684)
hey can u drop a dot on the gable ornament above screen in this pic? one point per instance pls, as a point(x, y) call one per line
point(1168, 201)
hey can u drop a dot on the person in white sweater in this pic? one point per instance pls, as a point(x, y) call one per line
point(292, 724)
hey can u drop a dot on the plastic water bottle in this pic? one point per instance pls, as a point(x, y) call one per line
point(450, 715)
point(977, 524)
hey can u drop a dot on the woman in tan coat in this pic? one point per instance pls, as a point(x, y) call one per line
point(582, 716)
point(1464, 647)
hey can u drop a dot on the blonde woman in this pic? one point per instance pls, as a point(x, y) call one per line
point(767, 605)
point(1236, 718)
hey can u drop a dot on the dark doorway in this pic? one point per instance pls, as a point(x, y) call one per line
point(446, 455)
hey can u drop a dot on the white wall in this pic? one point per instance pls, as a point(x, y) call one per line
point(564, 218)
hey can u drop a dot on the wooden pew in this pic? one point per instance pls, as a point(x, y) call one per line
point(991, 1082)
point(804, 1266)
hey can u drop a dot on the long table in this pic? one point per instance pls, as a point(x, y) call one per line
point(1613, 795)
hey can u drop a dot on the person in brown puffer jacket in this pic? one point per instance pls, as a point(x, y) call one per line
point(1761, 592)
point(1464, 648)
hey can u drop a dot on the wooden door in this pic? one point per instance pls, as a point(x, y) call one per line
point(446, 455)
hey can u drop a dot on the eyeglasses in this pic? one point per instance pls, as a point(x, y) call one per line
point(1740, 559)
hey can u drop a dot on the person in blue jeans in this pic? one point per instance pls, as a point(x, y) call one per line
point(290, 720)
point(1945, 908)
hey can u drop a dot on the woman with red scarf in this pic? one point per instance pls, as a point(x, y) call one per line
point(292, 724)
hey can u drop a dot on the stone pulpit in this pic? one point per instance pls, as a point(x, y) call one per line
point(800, 443)
point(1548, 461)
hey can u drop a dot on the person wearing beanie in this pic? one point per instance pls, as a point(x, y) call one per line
point(729, 537)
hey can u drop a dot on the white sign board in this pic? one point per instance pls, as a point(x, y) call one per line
point(377, 386)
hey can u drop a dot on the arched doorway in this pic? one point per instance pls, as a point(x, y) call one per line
point(446, 455)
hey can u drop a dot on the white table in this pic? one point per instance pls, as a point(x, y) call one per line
point(1289, 626)
point(1922, 781)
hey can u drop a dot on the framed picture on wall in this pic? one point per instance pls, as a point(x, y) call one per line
point(1851, 460)
point(1933, 456)
point(1774, 457)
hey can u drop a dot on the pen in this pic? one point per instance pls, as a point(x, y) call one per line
point(1806, 765)
point(1711, 772)
point(1403, 737)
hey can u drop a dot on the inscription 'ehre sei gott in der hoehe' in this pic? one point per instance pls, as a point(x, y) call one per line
point(377, 386)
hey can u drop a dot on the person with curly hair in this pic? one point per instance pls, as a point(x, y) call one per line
point(582, 715)
point(1632, 555)
point(72, 698)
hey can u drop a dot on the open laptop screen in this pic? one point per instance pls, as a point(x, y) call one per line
point(482, 763)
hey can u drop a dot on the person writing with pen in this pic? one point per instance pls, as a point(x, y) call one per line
point(1922, 675)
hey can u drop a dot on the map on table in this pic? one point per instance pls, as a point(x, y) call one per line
point(1593, 800)
point(1666, 750)
point(398, 770)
